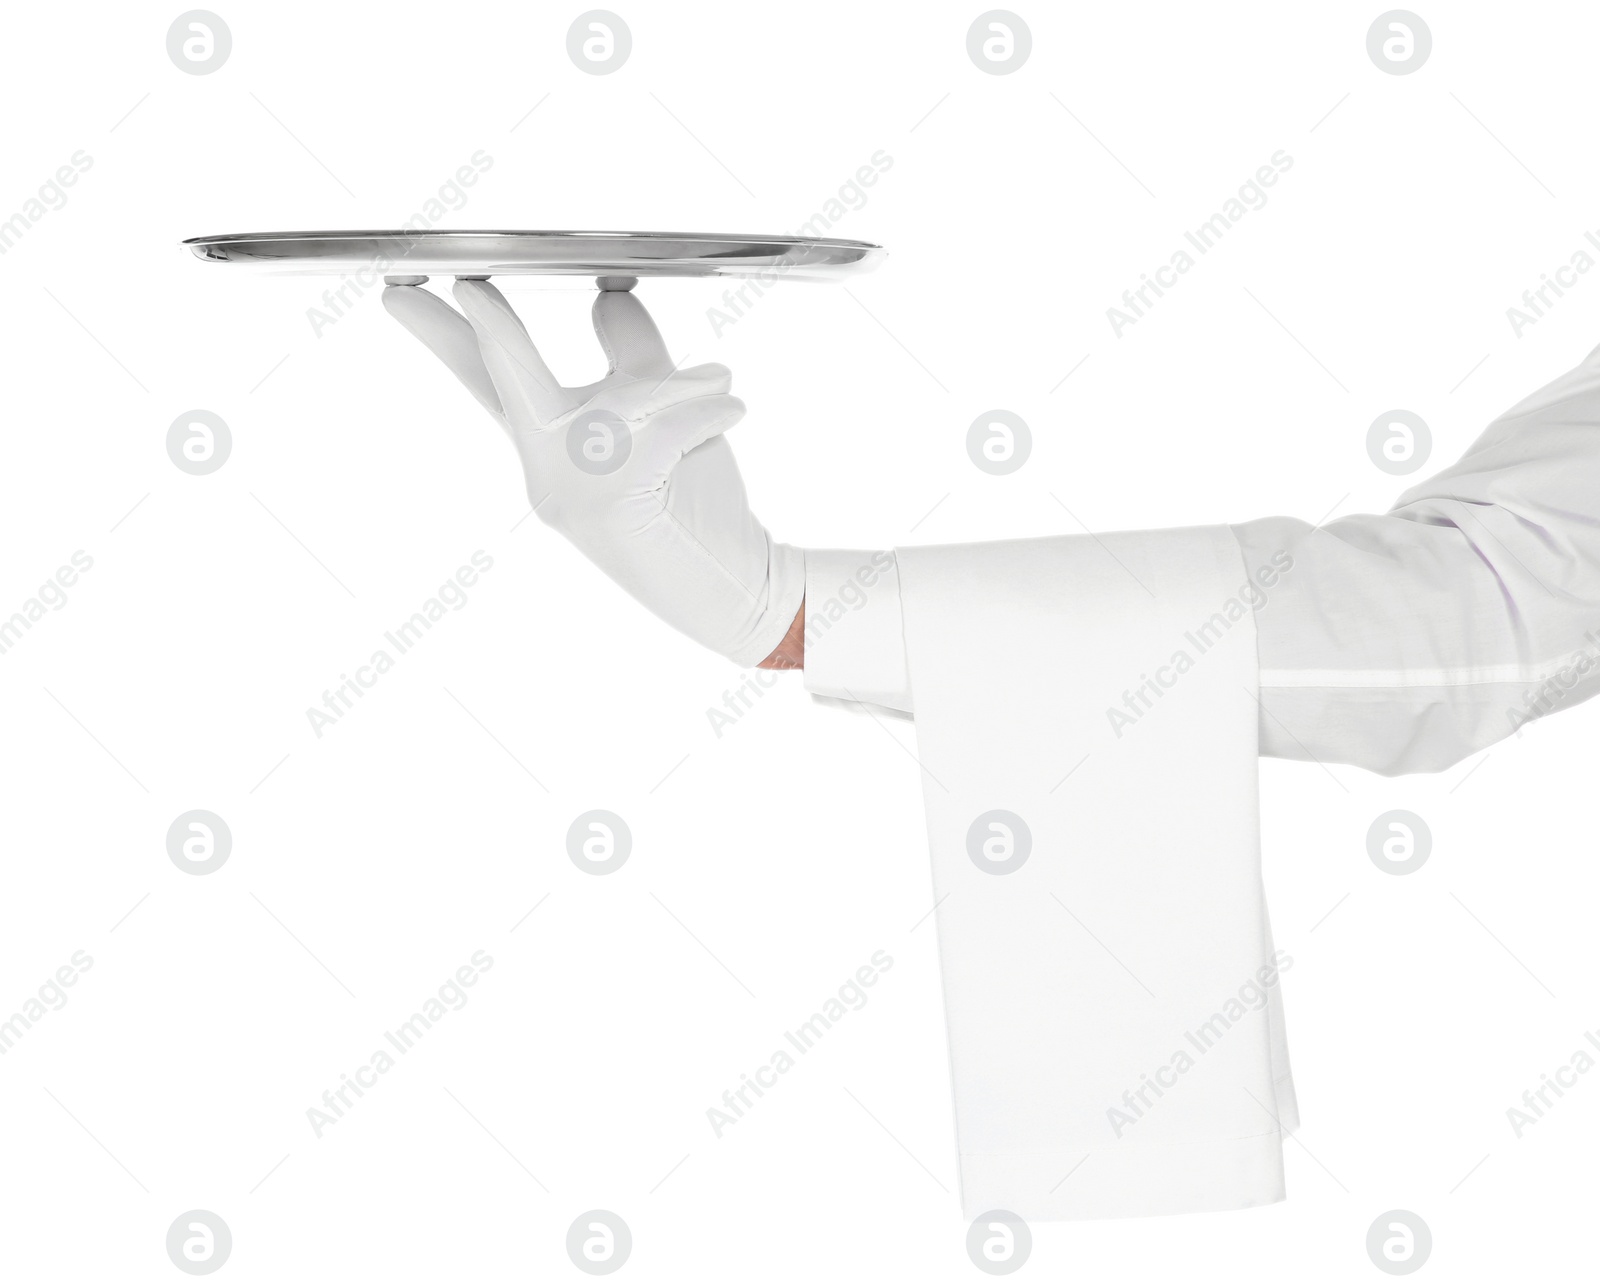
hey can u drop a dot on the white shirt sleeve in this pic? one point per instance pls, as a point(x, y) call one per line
point(854, 639)
point(1400, 642)
point(1406, 641)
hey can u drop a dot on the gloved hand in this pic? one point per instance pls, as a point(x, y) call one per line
point(632, 469)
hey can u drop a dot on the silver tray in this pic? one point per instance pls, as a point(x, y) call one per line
point(528, 254)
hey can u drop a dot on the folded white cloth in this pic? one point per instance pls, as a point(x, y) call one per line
point(1086, 715)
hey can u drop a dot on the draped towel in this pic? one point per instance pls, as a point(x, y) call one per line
point(1086, 716)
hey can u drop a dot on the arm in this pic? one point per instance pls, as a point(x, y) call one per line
point(1406, 641)
point(1400, 642)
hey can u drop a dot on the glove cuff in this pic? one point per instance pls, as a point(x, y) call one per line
point(786, 590)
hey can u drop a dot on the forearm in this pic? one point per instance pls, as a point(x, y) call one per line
point(1400, 642)
point(1406, 641)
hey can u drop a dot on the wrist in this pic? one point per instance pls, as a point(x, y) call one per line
point(790, 654)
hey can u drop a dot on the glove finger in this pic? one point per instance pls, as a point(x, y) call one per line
point(629, 336)
point(641, 399)
point(528, 391)
point(448, 336)
point(678, 430)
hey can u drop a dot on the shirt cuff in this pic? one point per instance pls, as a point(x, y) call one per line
point(855, 644)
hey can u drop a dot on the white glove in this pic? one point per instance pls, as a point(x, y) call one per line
point(632, 469)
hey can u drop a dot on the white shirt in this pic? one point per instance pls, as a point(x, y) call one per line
point(1399, 642)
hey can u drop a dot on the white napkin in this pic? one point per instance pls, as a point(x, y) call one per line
point(1113, 1003)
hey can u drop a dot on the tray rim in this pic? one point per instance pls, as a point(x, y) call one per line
point(395, 234)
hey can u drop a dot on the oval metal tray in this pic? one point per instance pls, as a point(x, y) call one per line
point(528, 254)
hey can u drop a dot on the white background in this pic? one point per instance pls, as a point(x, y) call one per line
point(771, 862)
